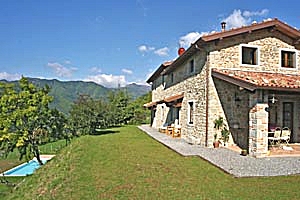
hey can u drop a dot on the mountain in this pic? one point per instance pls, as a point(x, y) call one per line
point(136, 90)
point(66, 92)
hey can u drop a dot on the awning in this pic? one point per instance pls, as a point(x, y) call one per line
point(174, 97)
point(252, 80)
point(150, 104)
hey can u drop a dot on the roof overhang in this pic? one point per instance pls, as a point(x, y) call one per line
point(251, 80)
point(172, 100)
point(174, 97)
point(157, 73)
point(274, 24)
point(150, 104)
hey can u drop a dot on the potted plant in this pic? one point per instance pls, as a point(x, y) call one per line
point(219, 123)
point(216, 142)
point(225, 135)
point(244, 152)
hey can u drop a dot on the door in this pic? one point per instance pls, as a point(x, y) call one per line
point(288, 116)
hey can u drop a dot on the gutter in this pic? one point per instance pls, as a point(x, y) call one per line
point(207, 94)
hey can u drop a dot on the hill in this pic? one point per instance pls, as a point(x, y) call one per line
point(66, 92)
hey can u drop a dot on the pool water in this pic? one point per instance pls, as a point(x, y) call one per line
point(26, 168)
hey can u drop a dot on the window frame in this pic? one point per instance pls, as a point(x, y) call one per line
point(191, 116)
point(257, 55)
point(191, 66)
point(295, 60)
point(172, 77)
point(162, 114)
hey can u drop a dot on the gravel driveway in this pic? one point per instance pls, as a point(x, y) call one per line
point(230, 161)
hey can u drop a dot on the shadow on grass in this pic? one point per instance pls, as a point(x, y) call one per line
point(103, 132)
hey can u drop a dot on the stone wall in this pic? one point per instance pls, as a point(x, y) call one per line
point(193, 85)
point(258, 130)
point(227, 55)
point(235, 109)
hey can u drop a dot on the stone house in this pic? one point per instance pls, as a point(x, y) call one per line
point(248, 75)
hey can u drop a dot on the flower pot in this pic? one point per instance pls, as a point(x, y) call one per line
point(244, 152)
point(216, 144)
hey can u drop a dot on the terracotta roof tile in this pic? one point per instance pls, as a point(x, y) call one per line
point(174, 97)
point(161, 68)
point(262, 79)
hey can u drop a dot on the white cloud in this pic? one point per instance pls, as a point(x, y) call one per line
point(236, 19)
point(239, 18)
point(61, 70)
point(127, 71)
point(145, 48)
point(107, 80)
point(162, 51)
point(189, 38)
point(95, 70)
point(263, 12)
point(68, 62)
point(9, 77)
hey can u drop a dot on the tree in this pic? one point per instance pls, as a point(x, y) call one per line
point(87, 115)
point(24, 118)
point(139, 113)
point(119, 101)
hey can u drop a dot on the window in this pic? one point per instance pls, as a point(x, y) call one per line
point(172, 78)
point(162, 116)
point(249, 55)
point(288, 59)
point(191, 67)
point(163, 81)
point(191, 112)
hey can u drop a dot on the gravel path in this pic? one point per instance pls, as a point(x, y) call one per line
point(230, 161)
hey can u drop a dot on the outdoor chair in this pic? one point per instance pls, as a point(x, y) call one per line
point(285, 135)
point(176, 131)
point(170, 130)
point(276, 138)
point(163, 128)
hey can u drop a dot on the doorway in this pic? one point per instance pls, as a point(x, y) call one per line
point(288, 116)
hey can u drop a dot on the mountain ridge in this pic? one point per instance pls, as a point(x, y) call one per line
point(66, 92)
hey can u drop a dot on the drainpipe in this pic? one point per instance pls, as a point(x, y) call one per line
point(207, 94)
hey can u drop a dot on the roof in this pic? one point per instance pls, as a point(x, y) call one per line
point(167, 99)
point(150, 104)
point(252, 80)
point(174, 97)
point(158, 71)
point(273, 24)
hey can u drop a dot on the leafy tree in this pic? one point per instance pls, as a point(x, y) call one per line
point(87, 115)
point(57, 126)
point(119, 101)
point(24, 118)
point(140, 114)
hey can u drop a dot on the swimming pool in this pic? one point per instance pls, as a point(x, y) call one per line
point(27, 168)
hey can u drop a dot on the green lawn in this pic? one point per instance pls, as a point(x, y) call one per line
point(13, 160)
point(128, 164)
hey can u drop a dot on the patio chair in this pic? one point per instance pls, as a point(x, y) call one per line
point(177, 131)
point(170, 130)
point(276, 138)
point(285, 135)
point(163, 128)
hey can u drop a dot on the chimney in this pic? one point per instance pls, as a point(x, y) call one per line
point(223, 26)
point(181, 50)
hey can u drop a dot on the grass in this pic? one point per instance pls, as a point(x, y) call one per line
point(128, 164)
point(12, 160)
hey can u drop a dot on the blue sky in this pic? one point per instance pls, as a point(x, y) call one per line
point(111, 42)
